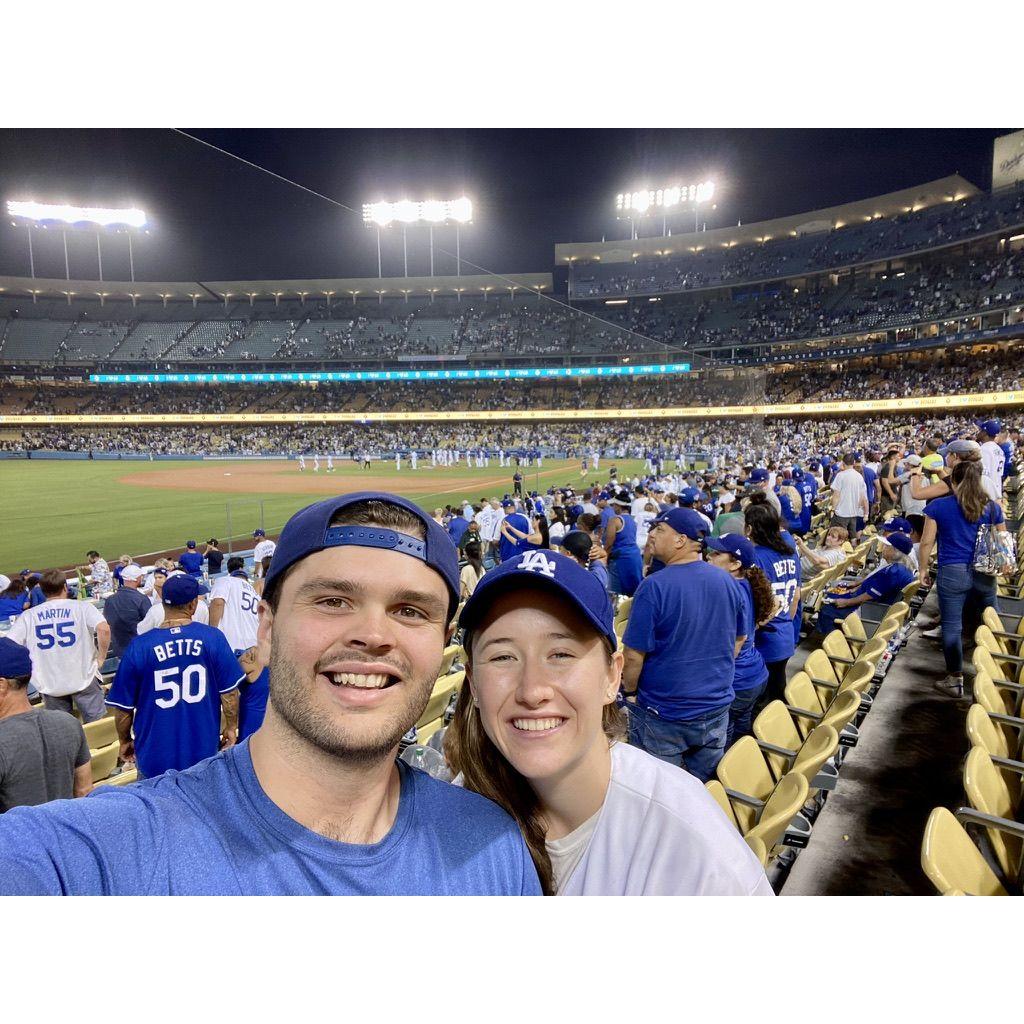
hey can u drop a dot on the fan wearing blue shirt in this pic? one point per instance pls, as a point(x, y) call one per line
point(775, 555)
point(884, 585)
point(680, 647)
point(808, 488)
point(513, 531)
point(171, 686)
point(191, 561)
point(354, 621)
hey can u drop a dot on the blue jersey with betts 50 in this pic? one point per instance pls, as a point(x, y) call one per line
point(172, 679)
point(775, 640)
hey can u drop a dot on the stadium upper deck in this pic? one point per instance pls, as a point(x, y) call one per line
point(960, 278)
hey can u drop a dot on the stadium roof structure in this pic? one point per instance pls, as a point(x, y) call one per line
point(625, 250)
point(475, 285)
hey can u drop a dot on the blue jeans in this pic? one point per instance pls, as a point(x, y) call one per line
point(959, 586)
point(741, 713)
point(696, 744)
point(830, 616)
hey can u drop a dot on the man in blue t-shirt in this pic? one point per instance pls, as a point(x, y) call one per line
point(172, 685)
point(680, 646)
point(354, 620)
point(512, 532)
point(191, 561)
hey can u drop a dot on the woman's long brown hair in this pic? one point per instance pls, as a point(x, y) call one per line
point(764, 599)
point(485, 770)
point(966, 483)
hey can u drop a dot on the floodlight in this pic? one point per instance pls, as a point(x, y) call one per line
point(461, 210)
point(377, 213)
point(637, 204)
point(407, 211)
point(433, 211)
point(40, 212)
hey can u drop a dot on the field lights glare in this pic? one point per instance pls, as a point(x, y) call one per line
point(636, 204)
point(101, 216)
point(431, 211)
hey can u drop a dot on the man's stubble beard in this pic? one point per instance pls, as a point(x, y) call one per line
point(292, 699)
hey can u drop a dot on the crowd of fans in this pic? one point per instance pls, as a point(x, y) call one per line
point(853, 243)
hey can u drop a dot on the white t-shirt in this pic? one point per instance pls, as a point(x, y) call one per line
point(154, 618)
point(637, 505)
point(643, 526)
point(239, 621)
point(993, 461)
point(59, 637)
point(849, 488)
point(660, 833)
point(567, 852)
point(556, 531)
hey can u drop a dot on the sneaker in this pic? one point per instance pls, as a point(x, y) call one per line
point(951, 686)
point(932, 634)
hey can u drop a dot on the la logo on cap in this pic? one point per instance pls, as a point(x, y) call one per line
point(534, 561)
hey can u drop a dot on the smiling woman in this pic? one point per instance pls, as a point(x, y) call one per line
point(538, 732)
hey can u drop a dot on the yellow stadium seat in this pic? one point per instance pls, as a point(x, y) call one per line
point(758, 848)
point(998, 742)
point(996, 698)
point(424, 732)
point(952, 862)
point(781, 807)
point(717, 790)
point(104, 761)
point(100, 733)
point(439, 697)
point(123, 779)
point(1009, 642)
point(987, 791)
point(744, 772)
point(1000, 672)
point(448, 658)
point(786, 750)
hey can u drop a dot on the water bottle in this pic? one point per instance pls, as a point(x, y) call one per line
point(429, 760)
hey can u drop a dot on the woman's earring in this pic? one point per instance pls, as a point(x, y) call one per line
point(476, 703)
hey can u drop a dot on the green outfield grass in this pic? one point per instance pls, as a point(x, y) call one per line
point(52, 512)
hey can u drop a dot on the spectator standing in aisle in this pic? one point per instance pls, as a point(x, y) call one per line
point(234, 606)
point(191, 561)
point(262, 553)
point(125, 609)
point(68, 641)
point(993, 458)
point(680, 649)
point(214, 557)
point(44, 754)
point(850, 498)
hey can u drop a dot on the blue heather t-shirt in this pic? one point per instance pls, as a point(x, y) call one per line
point(457, 526)
point(212, 830)
point(870, 476)
point(884, 585)
point(956, 534)
point(686, 619)
point(775, 640)
point(750, 669)
point(192, 563)
point(172, 679)
point(507, 548)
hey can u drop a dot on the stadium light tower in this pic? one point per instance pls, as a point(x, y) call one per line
point(671, 199)
point(430, 212)
point(33, 213)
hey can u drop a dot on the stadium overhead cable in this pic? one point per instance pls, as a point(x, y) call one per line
point(469, 263)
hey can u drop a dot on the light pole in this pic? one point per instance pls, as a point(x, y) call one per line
point(430, 212)
point(32, 213)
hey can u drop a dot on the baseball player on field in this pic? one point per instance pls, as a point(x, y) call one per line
point(302, 463)
point(262, 553)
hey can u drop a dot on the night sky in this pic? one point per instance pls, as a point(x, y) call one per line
point(216, 219)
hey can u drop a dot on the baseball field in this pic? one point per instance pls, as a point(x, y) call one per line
point(52, 512)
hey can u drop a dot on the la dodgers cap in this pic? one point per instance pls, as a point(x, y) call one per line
point(508, 503)
point(991, 427)
point(15, 661)
point(897, 525)
point(688, 495)
point(901, 542)
point(310, 531)
point(734, 544)
point(259, 533)
point(684, 521)
point(563, 575)
point(190, 543)
point(759, 476)
point(182, 589)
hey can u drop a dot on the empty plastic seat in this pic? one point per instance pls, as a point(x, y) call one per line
point(104, 761)
point(952, 862)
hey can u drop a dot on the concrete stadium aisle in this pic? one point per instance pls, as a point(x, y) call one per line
point(867, 839)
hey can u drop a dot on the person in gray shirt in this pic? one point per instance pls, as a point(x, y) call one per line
point(44, 755)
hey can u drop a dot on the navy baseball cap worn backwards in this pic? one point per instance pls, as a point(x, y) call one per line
point(310, 531)
point(561, 574)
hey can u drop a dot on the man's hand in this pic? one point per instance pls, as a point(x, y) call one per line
point(230, 738)
point(126, 751)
